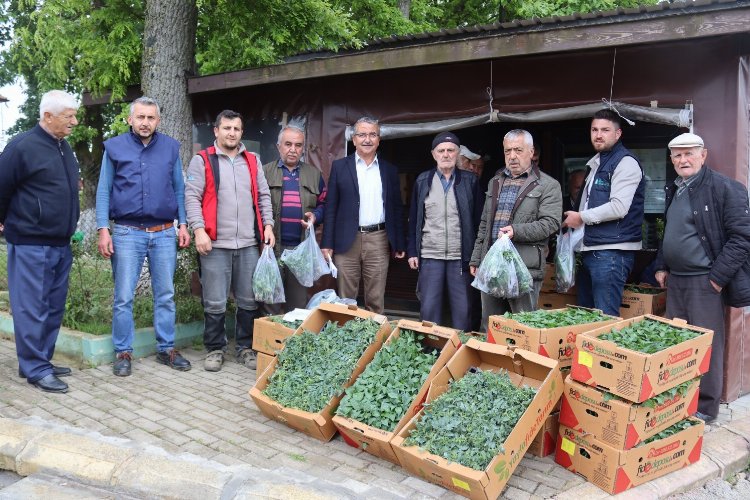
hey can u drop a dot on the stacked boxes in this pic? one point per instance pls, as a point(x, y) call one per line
point(549, 298)
point(378, 441)
point(269, 336)
point(524, 368)
point(319, 425)
point(643, 299)
point(609, 440)
point(556, 343)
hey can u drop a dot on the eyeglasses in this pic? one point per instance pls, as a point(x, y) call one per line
point(371, 135)
point(66, 117)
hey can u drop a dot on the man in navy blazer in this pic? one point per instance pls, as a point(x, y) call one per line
point(363, 218)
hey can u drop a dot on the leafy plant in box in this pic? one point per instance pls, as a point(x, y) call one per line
point(643, 289)
point(553, 319)
point(649, 336)
point(289, 324)
point(671, 430)
point(464, 337)
point(470, 422)
point(385, 390)
point(659, 399)
point(313, 367)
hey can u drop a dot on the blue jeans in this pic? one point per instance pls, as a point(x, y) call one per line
point(601, 279)
point(131, 246)
point(38, 287)
point(437, 276)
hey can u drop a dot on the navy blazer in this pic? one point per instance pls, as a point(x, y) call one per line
point(341, 220)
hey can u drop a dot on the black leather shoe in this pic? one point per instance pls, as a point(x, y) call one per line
point(174, 360)
point(51, 383)
point(57, 371)
point(121, 368)
point(706, 418)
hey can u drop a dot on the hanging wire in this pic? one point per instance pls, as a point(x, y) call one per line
point(609, 102)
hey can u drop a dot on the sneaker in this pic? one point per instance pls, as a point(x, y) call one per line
point(213, 361)
point(173, 359)
point(248, 358)
point(121, 368)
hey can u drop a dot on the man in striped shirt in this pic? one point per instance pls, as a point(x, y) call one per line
point(298, 195)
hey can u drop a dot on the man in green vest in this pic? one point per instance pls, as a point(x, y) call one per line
point(298, 199)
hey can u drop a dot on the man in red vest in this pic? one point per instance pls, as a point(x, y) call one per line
point(228, 207)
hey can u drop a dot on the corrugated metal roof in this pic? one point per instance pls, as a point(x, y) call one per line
point(618, 15)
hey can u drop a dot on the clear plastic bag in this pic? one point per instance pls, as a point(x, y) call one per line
point(502, 272)
point(329, 296)
point(267, 284)
point(306, 261)
point(565, 259)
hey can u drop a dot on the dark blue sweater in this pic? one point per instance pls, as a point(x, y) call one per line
point(38, 189)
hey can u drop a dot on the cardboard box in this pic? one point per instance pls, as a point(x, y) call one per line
point(378, 441)
point(554, 300)
point(524, 367)
point(621, 424)
point(637, 304)
point(614, 470)
point(319, 425)
point(269, 336)
point(264, 361)
point(556, 343)
point(478, 336)
point(549, 283)
point(634, 375)
point(544, 442)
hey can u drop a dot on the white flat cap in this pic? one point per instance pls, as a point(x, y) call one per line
point(464, 151)
point(686, 140)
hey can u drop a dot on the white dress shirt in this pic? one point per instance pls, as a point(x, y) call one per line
point(371, 210)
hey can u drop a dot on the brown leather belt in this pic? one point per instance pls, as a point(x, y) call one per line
point(152, 229)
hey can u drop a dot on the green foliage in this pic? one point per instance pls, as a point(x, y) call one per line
point(289, 324)
point(313, 367)
point(657, 400)
point(464, 337)
point(469, 423)
point(552, 319)
point(670, 431)
point(384, 391)
point(649, 336)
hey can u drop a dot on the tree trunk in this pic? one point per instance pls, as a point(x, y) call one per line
point(405, 7)
point(168, 60)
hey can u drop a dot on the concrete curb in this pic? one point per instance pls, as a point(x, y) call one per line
point(33, 447)
point(726, 451)
point(91, 350)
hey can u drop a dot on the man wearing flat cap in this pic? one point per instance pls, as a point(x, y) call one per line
point(526, 204)
point(703, 260)
point(445, 208)
point(465, 157)
point(363, 224)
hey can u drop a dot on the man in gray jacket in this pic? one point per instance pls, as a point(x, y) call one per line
point(228, 206)
point(526, 204)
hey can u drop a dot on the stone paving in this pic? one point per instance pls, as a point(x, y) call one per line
point(211, 415)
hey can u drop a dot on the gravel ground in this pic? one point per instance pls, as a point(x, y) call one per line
point(737, 488)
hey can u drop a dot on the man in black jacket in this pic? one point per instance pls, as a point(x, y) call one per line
point(39, 210)
point(704, 254)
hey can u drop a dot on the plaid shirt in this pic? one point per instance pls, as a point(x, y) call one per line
point(506, 198)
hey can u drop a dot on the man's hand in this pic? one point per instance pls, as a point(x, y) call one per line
point(661, 278)
point(105, 247)
point(507, 230)
point(473, 270)
point(716, 287)
point(202, 241)
point(183, 236)
point(268, 236)
point(400, 255)
point(572, 219)
point(414, 263)
point(310, 220)
point(327, 253)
